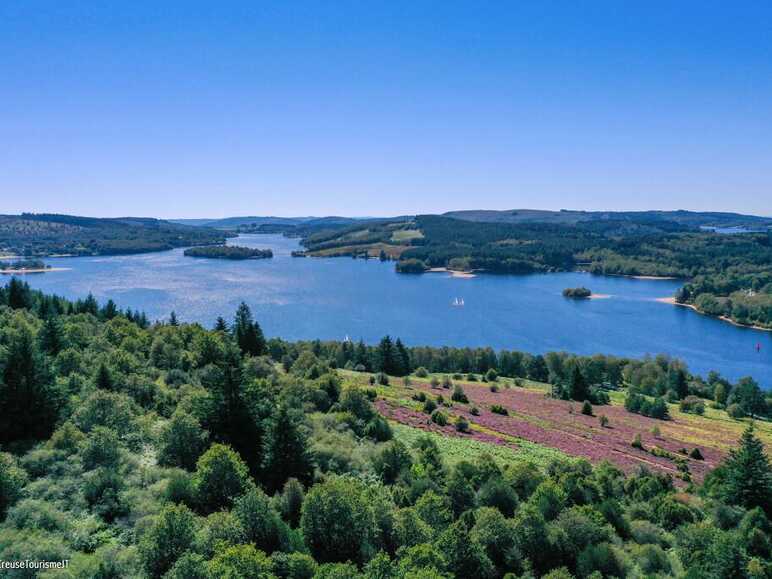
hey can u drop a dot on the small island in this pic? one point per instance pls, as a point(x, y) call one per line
point(228, 252)
point(577, 293)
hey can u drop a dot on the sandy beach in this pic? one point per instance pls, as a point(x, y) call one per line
point(672, 301)
point(453, 272)
point(37, 270)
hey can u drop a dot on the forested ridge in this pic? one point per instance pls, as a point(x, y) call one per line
point(39, 234)
point(170, 450)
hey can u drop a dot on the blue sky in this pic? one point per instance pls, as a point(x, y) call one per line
point(193, 109)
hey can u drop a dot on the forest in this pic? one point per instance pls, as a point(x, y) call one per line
point(40, 235)
point(234, 252)
point(171, 450)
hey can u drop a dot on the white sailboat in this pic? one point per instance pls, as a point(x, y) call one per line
point(458, 302)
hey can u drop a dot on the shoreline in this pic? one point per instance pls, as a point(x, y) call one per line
point(644, 277)
point(453, 272)
point(672, 301)
point(594, 296)
point(26, 271)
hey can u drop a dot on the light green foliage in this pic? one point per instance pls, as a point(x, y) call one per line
point(241, 561)
point(170, 535)
point(337, 521)
point(12, 480)
point(221, 476)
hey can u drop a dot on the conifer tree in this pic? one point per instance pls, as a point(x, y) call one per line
point(285, 452)
point(27, 401)
point(51, 336)
point(748, 474)
point(247, 332)
point(103, 379)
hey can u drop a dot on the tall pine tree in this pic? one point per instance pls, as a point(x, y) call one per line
point(27, 399)
point(286, 453)
point(247, 332)
point(748, 474)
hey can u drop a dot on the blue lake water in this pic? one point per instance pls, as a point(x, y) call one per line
point(297, 298)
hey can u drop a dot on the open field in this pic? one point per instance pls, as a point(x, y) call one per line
point(538, 425)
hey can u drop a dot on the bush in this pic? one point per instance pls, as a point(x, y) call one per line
point(421, 372)
point(419, 396)
point(471, 377)
point(434, 382)
point(462, 425)
point(603, 420)
point(447, 382)
point(692, 405)
point(491, 375)
point(696, 454)
point(735, 411)
point(221, 476)
point(600, 558)
point(474, 411)
point(170, 536)
point(382, 379)
point(439, 418)
point(182, 441)
point(100, 449)
point(493, 388)
point(637, 443)
point(499, 409)
point(459, 395)
point(429, 406)
point(12, 481)
point(587, 408)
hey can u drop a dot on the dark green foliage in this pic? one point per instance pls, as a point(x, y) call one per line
point(587, 408)
point(576, 292)
point(748, 481)
point(291, 502)
point(262, 525)
point(459, 395)
point(247, 332)
point(181, 441)
point(232, 252)
point(499, 409)
point(28, 400)
point(285, 453)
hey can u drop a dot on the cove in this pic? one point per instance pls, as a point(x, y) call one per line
point(308, 298)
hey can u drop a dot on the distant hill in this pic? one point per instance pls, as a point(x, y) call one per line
point(255, 222)
point(693, 219)
point(41, 234)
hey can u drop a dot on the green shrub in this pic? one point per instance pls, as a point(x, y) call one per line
point(587, 408)
point(421, 372)
point(439, 418)
point(462, 425)
point(499, 409)
point(459, 395)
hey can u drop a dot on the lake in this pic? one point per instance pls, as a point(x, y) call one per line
point(307, 298)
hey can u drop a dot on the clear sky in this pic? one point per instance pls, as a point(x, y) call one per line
point(209, 109)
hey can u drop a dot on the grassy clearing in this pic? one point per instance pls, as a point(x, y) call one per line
point(458, 449)
point(404, 235)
